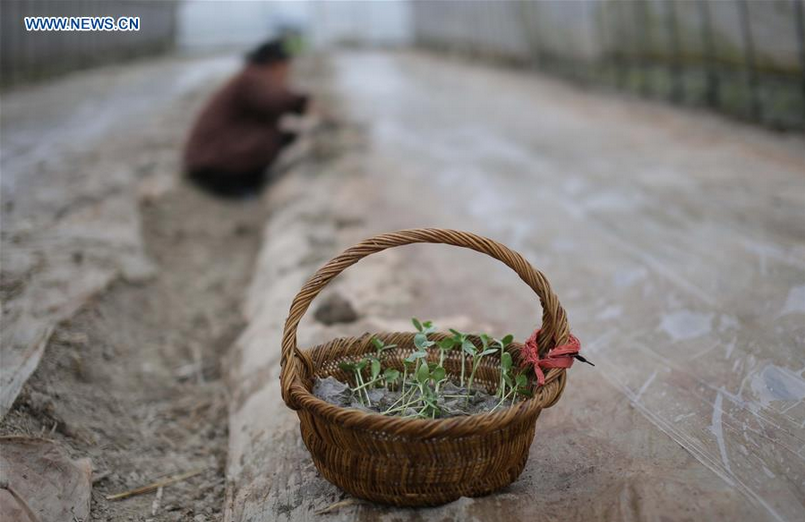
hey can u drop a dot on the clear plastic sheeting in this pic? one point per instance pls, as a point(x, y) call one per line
point(676, 242)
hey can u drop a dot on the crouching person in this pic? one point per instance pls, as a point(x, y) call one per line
point(237, 135)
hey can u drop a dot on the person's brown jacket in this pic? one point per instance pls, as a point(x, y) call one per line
point(237, 131)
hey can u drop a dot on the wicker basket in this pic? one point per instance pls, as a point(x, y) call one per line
point(416, 462)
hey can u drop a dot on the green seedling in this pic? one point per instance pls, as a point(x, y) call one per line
point(406, 365)
point(445, 345)
point(419, 394)
point(517, 386)
point(477, 356)
point(391, 376)
point(421, 342)
point(424, 327)
point(380, 347)
point(436, 374)
point(357, 368)
point(421, 338)
point(461, 342)
point(375, 362)
point(505, 363)
point(424, 376)
point(522, 386)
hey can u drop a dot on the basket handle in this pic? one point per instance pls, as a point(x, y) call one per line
point(554, 331)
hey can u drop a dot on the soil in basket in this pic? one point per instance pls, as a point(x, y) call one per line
point(335, 392)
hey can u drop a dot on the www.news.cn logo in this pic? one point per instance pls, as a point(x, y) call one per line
point(82, 23)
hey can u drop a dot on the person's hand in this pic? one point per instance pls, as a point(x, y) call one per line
point(302, 123)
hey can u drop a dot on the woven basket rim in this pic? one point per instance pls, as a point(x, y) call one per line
point(460, 426)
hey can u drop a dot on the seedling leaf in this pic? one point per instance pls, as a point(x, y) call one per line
point(417, 324)
point(421, 340)
point(422, 374)
point(446, 344)
point(506, 361)
point(416, 355)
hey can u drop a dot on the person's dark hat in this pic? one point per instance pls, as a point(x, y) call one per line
point(269, 52)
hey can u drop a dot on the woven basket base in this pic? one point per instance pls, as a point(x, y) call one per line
point(423, 497)
point(419, 478)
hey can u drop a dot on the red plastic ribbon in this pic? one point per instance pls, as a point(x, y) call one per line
point(561, 356)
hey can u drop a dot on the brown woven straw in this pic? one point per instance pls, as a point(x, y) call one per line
point(414, 462)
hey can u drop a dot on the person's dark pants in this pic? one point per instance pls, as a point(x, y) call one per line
point(236, 184)
point(229, 184)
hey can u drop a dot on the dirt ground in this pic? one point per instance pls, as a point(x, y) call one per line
point(132, 381)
